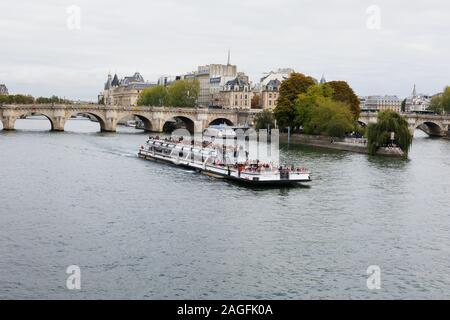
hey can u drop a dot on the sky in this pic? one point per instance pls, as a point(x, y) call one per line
point(67, 48)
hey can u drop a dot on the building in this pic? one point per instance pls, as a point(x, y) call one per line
point(362, 102)
point(235, 94)
point(280, 75)
point(269, 94)
point(124, 92)
point(211, 79)
point(381, 103)
point(269, 86)
point(166, 80)
point(417, 102)
point(3, 90)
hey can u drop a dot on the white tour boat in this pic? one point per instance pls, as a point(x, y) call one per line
point(212, 160)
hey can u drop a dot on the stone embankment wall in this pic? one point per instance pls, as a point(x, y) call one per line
point(352, 145)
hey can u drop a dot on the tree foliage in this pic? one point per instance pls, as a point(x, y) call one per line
point(52, 99)
point(180, 94)
point(255, 103)
point(344, 93)
point(290, 89)
point(318, 113)
point(155, 96)
point(16, 99)
point(184, 93)
point(379, 134)
point(441, 103)
point(264, 120)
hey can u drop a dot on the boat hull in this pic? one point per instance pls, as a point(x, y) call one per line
point(224, 175)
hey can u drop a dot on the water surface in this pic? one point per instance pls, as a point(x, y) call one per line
point(143, 230)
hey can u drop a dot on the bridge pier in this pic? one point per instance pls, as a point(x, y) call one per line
point(8, 123)
point(58, 123)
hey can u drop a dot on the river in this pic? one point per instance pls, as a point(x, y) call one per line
point(142, 230)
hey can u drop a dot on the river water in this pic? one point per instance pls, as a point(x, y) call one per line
point(139, 229)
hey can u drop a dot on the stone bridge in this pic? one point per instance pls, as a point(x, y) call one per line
point(433, 125)
point(154, 118)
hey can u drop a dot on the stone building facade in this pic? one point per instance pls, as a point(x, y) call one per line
point(381, 103)
point(269, 94)
point(211, 79)
point(235, 94)
point(124, 92)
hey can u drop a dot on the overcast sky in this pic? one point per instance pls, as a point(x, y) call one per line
point(41, 55)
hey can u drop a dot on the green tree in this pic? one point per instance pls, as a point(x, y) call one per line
point(184, 93)
point(154, 96)
point(379, 134)
point(446, 99)
point(306, 102)
point(17, 99)
point(264, 119)
point(52, 99)
point(285, 112)
point(318, 113)
point(441, 103)
point(344, 93)
point(330, 118)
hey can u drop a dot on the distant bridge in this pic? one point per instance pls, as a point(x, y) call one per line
point(154, 118)
point(433, 125)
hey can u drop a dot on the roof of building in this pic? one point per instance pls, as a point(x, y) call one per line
point(115, 81)
point(238, 81)
point(272, 85)
point(134, 78)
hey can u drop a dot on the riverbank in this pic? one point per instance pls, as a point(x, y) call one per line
point(343, 144)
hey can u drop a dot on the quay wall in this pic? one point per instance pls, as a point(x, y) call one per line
point(324, 142)
point(336, 144)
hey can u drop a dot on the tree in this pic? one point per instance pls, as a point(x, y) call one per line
point(264, 120)
point(441, 103)
point(318, 113)
point(290, 89)
point(16, 99)
point(330, 118)
point(154, 96)
point(379, 134)
point(344, 93)
point(255, 101)
point(184, 93)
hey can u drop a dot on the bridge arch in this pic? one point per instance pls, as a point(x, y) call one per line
point(149, 124)
point(101, 120)
point(178, 122)
point(430, 127)
point(219, 121)
point(25, 114)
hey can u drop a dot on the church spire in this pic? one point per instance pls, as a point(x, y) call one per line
point(414, 93)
